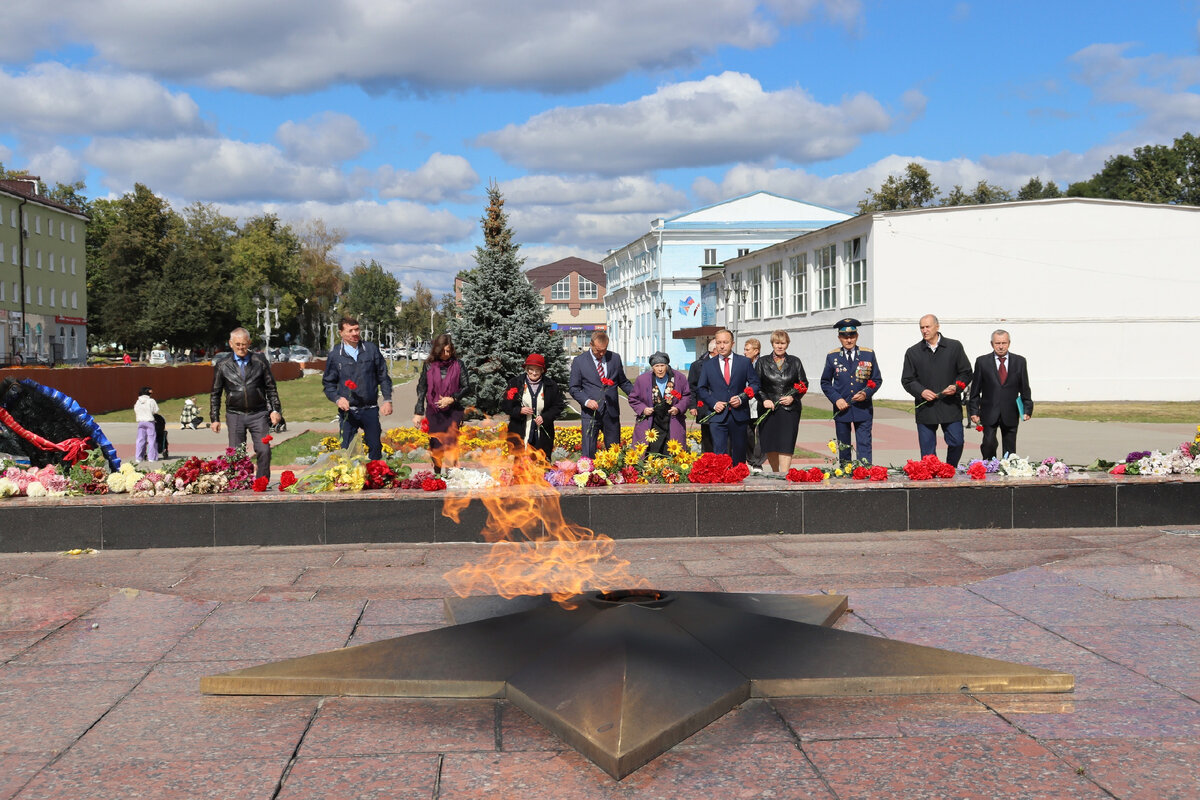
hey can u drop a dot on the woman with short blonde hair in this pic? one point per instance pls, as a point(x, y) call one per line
point(783, 382)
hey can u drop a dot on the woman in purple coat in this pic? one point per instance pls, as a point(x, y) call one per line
point(659, 399)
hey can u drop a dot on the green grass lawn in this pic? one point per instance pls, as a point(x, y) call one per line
point(303, 400)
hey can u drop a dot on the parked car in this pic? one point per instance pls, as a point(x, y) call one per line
point(300, 354)
point(393, 353)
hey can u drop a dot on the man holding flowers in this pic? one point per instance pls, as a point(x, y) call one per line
point(850, 379)
point(936, 372)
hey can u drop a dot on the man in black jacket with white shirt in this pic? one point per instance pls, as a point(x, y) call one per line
point(251, 397)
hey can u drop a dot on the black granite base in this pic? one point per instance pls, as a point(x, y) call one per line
point(765, 507)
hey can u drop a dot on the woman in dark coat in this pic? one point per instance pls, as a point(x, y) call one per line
point(440, 391)
point(533, 402)
point(779, 375)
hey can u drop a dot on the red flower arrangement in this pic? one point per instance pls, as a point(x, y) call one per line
point(433, 484)
point(288, 478)
point(268, 439)
point(676, 396)
point(749, 392)
point(630, 474)
point(511, 393)
point(608, 382)
point(811, 475)
point(876, 473)
point(699, 404)
point(977, 471)
point(979, 428)
point(260, 484)
point(927, 468)
point(379, 475)
point(800, 388)
point(424, 426)
point(717, 468)
point(960, 385)
point(872, 384)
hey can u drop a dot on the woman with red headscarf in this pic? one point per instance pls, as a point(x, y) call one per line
point(533, 401)
point(440, 391)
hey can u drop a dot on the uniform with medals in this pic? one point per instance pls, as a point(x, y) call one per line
point(851, 370)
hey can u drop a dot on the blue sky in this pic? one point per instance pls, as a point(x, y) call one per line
point(388, 119)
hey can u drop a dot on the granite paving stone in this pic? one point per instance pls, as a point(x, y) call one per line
point(17, 769)
point(264, 644)
point(814, 718)
point(1061, 717)
point(362, 726)
point(1140, 581)
point(403, 612)
point(1137, 769)
point(936, 767)
point(396, 776)
point(365, 634)
point(259, 614)
point(86, 778)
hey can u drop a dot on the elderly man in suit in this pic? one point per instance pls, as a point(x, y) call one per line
point(727, 382)
point(935, 373)
point(1000, 396)
point(596, 374)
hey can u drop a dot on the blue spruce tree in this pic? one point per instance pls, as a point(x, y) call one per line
point(502, 320)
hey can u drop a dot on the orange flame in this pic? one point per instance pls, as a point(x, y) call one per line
point(536, 550)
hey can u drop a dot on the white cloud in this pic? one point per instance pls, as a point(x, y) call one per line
point(52, 98)
point(600, 195)
point(259, 46)
point(720, 119)
point(56, 165)
point(1160, 89)
point(325, 138)
point(369, 222)
point(843, 191)
point(212, 169)
point(432, 265)
point(442, 177)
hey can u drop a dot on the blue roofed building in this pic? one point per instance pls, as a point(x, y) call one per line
point(664, 290)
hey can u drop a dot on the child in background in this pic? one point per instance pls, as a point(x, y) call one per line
point(144, 410)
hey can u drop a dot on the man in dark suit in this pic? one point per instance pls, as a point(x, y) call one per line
point(1000, 396)
point(694, 384)
point(355, 375)
point(596, 374)
point(724, 383)
point(936, 371)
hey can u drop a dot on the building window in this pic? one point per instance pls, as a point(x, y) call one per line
point(52, 262)
point(743, 251)
point(52, 297)
point(40, 301)
point(39, 259)
point(754, 284)
point(856, 272)
point(1, 248)
point(74, 299)
point(12, 217)
point(28, 294)
point(37, 223)
point(2, 286)
point(799, 266)
point(50, 226)
point(72, 265)
point(710, 256)
point(72, 233)
point(826, 264)
point(588, 290)
point(561, 290)
point(775, 287)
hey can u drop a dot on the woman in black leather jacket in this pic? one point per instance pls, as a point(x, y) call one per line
point(783, 383)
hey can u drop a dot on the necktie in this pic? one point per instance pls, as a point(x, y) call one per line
point(726, 360)
point(600, 369)
point(1003, 370)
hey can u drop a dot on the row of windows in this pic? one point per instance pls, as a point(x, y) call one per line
point(37, 259)
point(710, 255)
point(58, 297)
point(37, 225)
point(588, 290)
point(790, 294)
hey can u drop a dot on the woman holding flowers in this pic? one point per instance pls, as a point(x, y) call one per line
point(784, 383)
point(659, 398)
point(440, 391)
point(533, 401)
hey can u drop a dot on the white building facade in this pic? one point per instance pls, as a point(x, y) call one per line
point(654, 299)
point(1100, 296)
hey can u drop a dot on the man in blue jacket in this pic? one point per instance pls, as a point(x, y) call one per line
point(355, 374)
point(850, 379)
point(727, 381)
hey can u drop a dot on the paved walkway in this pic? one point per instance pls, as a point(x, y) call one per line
point(100, 658)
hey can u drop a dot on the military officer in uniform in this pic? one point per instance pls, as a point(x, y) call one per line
point(850, 378)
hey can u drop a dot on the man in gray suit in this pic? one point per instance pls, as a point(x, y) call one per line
point(1000, 396)
point(596, 374)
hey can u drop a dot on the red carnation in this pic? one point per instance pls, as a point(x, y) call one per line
point(878, 473)
point(608, 382)
point(675, 395)
point(960, 385)
point(860, 474)
point(800, 387)
point(871, 384)
point(512, 392)
point(288, 478)
point(749, 391)
point(425, 426)
point(351, 385)
point(433, 484)
point(979, 428)
point(260, 484)
point(977, 470)
point(268, 439)
point(699, 404)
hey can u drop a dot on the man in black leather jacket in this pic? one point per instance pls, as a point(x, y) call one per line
point(246, 379)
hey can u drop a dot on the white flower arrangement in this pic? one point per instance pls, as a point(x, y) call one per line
point(124, 479)
point(9, 488)
point(1175, 462)
point(468, 479)
point(35, 489)
point(1014, 466)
